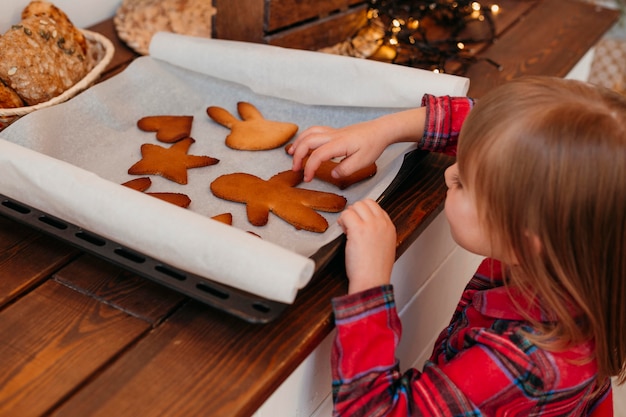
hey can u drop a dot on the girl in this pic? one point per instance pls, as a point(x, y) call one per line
point(539, 188)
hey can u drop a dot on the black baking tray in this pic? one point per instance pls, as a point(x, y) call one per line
point(245, 305)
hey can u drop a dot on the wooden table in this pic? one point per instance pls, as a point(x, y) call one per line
point(82, 337)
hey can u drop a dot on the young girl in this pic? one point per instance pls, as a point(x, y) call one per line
point(539, 188)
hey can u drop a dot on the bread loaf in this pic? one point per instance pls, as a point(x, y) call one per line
point(42, 56)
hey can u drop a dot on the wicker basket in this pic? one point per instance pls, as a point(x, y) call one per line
point(101, 50)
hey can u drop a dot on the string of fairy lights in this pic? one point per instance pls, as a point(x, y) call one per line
point(437, 35)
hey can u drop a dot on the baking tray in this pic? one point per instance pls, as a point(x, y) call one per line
point(247, 306)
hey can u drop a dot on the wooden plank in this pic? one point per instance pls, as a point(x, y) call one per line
point(203, 382)
point(549, 40)
point(239, 20)
point(123, 54)
point(284, 13)
point(53, 340)
point(117, 287)
point(322, 32)
point(27, 258)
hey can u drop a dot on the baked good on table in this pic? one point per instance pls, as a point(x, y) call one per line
point(43, 55)
point(136, 21)
point(168, 129)
point(143, 183)
point(171, 163)
point(9, 99)
point(253, 132)
point(226, 218)
point(278, 195)
point(326, 167)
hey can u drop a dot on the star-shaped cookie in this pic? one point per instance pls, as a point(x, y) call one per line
point(171, 163)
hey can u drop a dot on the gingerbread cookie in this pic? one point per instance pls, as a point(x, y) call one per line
point(324, 173)
point(226, 218)
point(143, 183)
point(278, 195)
point(253, 132)
point(169, 129)
point(171, 163)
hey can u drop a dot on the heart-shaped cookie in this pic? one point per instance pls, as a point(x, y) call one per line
point(169, 129)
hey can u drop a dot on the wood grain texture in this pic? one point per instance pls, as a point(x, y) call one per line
point(325, 31)
point(197, 380)
point(549, 40)
point(284, 13)
point(117, 287)
point(26, 259)
point(53, 340)
point(239, 20)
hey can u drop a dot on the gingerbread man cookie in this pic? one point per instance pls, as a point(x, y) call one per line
point(278, 195)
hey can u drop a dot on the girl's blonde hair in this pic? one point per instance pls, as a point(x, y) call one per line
point(547, 160)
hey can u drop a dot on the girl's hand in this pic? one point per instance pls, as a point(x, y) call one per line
point(358, 143)
point(370, 245)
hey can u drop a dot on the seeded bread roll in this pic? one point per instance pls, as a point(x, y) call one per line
point(43, 55)
point(9, 98)
point(39, 8)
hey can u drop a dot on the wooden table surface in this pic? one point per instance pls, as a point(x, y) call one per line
point(82, 337)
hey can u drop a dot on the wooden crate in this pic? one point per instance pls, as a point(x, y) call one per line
point(289, 23)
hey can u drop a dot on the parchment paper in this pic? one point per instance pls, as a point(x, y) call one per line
point(69, 160)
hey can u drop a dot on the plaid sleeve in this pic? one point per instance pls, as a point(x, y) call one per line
point(366, 376)
point(521, 379)
point(444, 117)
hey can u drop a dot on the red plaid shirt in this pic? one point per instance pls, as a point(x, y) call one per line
point(482, 364)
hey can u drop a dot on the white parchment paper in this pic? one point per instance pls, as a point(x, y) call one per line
point(69, 160)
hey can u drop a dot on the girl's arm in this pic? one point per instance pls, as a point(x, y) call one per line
point(434, 127)
point(367, 380)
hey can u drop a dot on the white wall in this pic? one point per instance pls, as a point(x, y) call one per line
point(82, 13)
